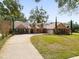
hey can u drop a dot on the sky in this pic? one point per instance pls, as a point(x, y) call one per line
point(52, 10)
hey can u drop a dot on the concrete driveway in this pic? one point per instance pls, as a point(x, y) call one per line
point(19, 47)
point(76, 57)
point(0, 35)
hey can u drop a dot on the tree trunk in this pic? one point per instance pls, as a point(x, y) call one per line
point(12, 25)
point(41, 28)
point(71, 26)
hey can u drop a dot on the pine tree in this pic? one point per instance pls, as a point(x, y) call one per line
point(71, 23)
point(56, 25)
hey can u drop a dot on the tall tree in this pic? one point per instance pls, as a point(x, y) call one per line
point(14, 9)
point(74, 26)
point(38, 16)
point(71, 24)
point(56, 25)
point(11, 10)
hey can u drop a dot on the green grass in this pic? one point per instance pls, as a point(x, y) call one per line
point(2, 41)
point(57, 46)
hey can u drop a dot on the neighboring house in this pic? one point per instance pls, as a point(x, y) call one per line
point(61, 28)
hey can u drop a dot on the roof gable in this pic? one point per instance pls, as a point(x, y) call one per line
point(52, 26)
point(61, 26)
point(20, 24)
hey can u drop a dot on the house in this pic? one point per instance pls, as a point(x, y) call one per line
point(37, 28)
point(21, 27)
point(24, 27)
point(61, 28)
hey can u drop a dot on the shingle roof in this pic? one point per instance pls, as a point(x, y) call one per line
point(20, 24)
point(52, 25)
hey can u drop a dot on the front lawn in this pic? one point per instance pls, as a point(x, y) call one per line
point(57, 46)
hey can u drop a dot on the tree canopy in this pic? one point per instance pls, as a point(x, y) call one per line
point(74, 26)
point(10, 9)
point(38, 15)
point(37, 0)
point(68, 5)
